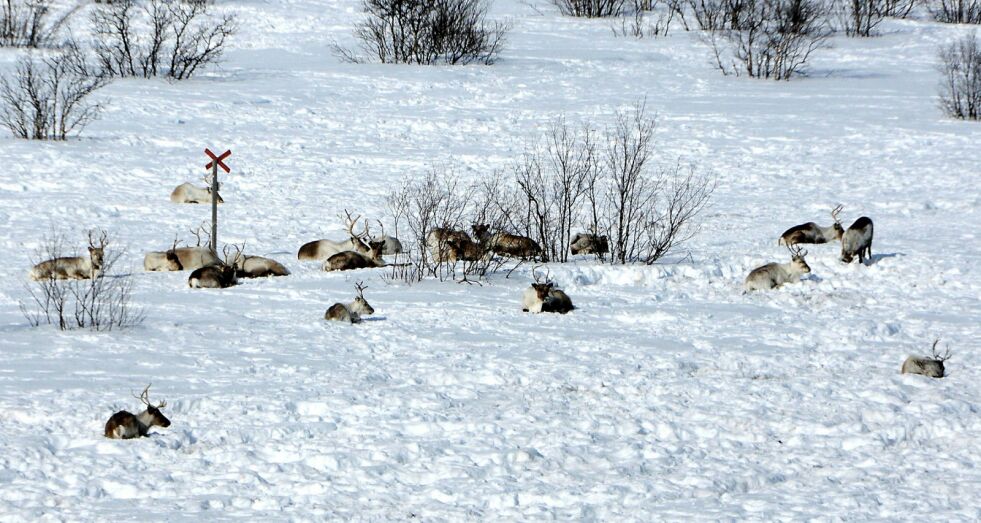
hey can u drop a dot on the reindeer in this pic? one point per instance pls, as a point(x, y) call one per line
point(773, 275)
point(163, 260)
point(857, 240)
point(932, 366)
point(811, 232)
point(191, 258)
point(350, 260)
point(75, 267)
point(351, 312)
point(438, 241)
point(249, 266)
point(216, 276)
point(188, 193)
point(392, 244)
point(323, 249)
point(123, 425)
point(542, 297)
point(514, 246)
point(584, 243)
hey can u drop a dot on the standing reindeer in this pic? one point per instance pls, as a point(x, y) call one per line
point(188, 193)
point(773, 275)
point(323, 249)
point(811, 232)
point(857, 240)
point(75, 267)
point(351, 312)
point(439, 240)
point(216, 276)
point(124, 425)
point(542, 297)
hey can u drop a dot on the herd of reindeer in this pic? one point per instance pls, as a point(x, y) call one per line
point(446, 245)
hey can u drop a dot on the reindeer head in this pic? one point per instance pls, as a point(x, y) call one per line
point(376, 248)
point(481, 231)
point(154, 411)
point(97, 253)
point(230, 266)
point(173, 261)
point(839, 230)
point(797, 259)
point(360, 305)
point(543, 284)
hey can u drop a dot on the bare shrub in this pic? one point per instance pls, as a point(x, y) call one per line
point(427, 32)
point(30, 23)
point(960, 89)
point(159, 38)
point(590, 8)
point(770, 38)
point(860, 17)
point(103, 303)
point(715, 15)
point(646, 211)
point(47, 98)
point(649, 18)
point(956, 11)
point(899, 8)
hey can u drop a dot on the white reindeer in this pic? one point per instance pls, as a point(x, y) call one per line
point(932, 366)
point(351, 312)
point(323, 249)
point(543, 297)
point(75, 267)
point(189, 193)
point(773, 275)
point(392, 244)
point(124, 425)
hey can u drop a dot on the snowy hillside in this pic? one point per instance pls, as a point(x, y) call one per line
point(667, 395)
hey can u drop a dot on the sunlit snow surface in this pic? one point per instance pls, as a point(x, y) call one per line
point(668, 394)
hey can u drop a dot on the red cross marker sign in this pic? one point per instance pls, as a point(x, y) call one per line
point(218, 160)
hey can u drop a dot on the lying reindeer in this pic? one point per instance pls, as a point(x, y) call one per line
point(188, 193)
point(323, 249)
point(932, 366)
point(392, 244)
point(514, 246)
point(218, 276)
point(542, 297)
point(773, 275)
point(75, 267)
point(249, 266)
point(857, 240)
point(811, 232)
point(187, 258)
point(123, 425)
point(350, 260)
point(351, 312)
point(583, 243)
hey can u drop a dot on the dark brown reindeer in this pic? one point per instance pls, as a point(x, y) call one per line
point(75, 267)
point(584, 243)
point(350, 312)
point(323, 249)
point(350, 260)
point(541, 296)
point(218, 276)
point(440, 243)
point(857, 240)
point(811, 232)
point(124, 425)
point(515, 246)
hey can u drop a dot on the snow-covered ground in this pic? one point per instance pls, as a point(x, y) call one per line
point(668, 394)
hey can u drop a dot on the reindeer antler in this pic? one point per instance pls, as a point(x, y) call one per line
point(538, 279)
point(145, 397)
point(835, 211)
point(202, 229)
point(238, 253)
point(796, 251)
point(381, 226)
point(103, 238)
point(936, 355)
point(360, 287)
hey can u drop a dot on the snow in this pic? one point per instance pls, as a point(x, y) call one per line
point(667, 393)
